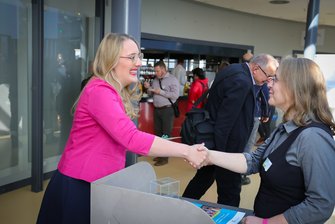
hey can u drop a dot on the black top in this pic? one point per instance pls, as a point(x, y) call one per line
point(282, 184)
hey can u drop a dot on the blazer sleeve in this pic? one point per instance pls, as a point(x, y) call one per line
point(105, 106)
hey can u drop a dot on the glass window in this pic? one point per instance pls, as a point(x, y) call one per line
point(68, 50)
point(15, 78)
point(171, 64)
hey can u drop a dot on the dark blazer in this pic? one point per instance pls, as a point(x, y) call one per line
point(231, 104)
point(262, 96)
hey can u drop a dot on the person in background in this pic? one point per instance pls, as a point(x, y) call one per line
point(262, 114)
point(180, 73)
point(88, 76)
point(265, 129)
point(296, 163)
point(222, 65)
point(247, 57)
point(102, 132)
point(164, 87)
point(198, 87)
point(231, 104)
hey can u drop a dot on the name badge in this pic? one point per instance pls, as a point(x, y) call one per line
point(267, 164)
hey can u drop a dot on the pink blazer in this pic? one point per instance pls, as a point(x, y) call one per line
point(100, 135)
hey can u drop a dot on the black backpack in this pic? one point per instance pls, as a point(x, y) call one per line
point(197, 126)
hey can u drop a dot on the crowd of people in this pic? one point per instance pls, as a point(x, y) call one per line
point(295, 162)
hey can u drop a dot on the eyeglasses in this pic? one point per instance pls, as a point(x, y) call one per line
point(134, 57)
point(272, 79)
point(264, 72)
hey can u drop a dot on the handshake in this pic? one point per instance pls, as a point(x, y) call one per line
point(198, 156)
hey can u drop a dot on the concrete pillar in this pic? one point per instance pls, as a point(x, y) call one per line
point(126, 18)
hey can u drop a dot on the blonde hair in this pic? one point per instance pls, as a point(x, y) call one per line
point(104, 63)
point(303, 78)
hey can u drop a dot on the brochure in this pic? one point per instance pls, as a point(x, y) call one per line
point(221, 215)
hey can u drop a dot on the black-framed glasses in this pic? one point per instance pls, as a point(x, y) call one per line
point(264, 72)
point(272, 79)
point(134, 57)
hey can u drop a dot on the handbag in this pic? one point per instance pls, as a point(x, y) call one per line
point(175, 108)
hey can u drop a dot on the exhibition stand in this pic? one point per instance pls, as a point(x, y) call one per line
point(126, 197)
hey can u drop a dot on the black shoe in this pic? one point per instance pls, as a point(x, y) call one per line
point(155, 159)
point(245, 180)
point(161, 162)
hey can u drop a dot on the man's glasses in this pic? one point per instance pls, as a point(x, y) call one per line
point(272, 79)
point(134, 57)
point(264, 72)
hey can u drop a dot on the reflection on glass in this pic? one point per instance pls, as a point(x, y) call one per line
point(66, 62)
point(68, 48)
point(14, 79)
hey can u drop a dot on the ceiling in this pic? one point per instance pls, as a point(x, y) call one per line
point(295, 10)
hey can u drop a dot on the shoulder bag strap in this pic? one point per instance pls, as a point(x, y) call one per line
point(201, 98)
point(160, 86)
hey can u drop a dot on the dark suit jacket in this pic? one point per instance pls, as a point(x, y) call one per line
point(262, 108)
point(231, 104)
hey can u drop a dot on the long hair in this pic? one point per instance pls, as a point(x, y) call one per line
point(104, 63)
point(303, 78)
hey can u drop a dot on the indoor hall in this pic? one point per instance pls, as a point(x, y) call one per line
point(26, 203)
point(72, 30)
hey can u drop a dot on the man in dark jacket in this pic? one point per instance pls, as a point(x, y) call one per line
point(261, 115)
point(231, 104)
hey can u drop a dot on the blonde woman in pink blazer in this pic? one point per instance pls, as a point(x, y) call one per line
point(102, 131)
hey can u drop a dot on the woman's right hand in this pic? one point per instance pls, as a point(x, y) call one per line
point(197, 155)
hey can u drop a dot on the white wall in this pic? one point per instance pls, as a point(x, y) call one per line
point(180, 18)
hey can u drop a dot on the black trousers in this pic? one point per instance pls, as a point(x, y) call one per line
point(163, 121)
point(66, 201)
point(228, 185)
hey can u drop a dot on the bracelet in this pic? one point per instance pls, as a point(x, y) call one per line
point(265, 221)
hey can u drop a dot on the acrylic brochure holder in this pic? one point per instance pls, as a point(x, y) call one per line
point(124, 197)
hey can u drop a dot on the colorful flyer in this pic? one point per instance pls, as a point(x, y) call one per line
point(222, 215)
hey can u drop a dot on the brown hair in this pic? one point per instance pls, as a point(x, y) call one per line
point(160, 64)
point(304, 80)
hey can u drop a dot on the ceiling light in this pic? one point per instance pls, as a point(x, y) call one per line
point(279, 2)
